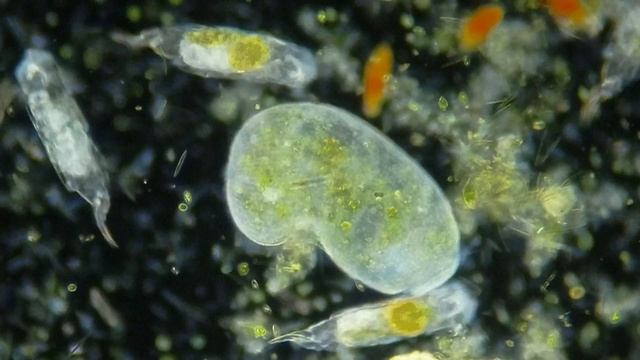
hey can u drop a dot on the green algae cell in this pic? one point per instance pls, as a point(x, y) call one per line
point(318, 174)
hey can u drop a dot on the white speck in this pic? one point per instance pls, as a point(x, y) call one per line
point(271, 194)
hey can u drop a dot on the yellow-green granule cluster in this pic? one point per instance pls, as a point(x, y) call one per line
point(408, 317)
point(245, 52)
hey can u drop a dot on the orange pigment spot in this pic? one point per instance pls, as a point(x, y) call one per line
point(567, 10)
point(476, 28)
point(377, 72)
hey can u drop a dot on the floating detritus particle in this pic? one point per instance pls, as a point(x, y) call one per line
point(104, 309)
point(317, 174)
point(132, 177)
point(63, 131)
point(385, 322)
point(7, 92)
point(183, 157)
point(290, 265)
point(225, 52)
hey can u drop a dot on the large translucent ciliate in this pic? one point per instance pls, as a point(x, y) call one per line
point(63, 131)
point(225, 52)
point(318, 174)
point(385, 322)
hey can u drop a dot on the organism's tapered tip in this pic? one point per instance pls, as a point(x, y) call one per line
point(316, 337)
point(302, 337)
point(285, 338)
point(100, 210)
point(107, 235)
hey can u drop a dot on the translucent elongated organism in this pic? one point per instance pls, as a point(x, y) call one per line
point(63, 131)
point(621, 60)
point(385, 322)
point(224, 52)
point(320, 175)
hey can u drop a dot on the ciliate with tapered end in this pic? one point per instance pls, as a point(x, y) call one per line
point(318, 174)
point(63, 131)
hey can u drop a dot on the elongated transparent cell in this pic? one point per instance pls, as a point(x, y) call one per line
point(621, 58)
point(63, 131)
point(385, 322)
point(224, 52)
point(318, 174)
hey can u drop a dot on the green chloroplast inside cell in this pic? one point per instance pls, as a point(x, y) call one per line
point(318, 174)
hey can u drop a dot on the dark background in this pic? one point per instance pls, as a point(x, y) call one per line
point(166, 277)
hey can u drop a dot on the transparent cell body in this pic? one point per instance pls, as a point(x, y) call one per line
point(224, 52)
point(621, 58)
point(318, 174)
point(63, 131)
point(385, 322)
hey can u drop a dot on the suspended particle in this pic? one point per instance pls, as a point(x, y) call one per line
point(7, 93)
point(63, 130)
point(100, 303)
point(259, 331)
point(243, 269)
point(477, 27)
point(291, 265)
point(576, 292)
point(510, 343)
point(377, 73)
point(163, 342)
point(228, 53)
point(538, 125)
point(134, 13)
point(198, 341)
point(183, 157)
point(443, 104)
point(33, 235)
point(187, 197)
